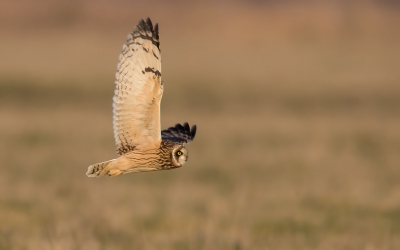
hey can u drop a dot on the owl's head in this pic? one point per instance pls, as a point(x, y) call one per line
point(179, 155)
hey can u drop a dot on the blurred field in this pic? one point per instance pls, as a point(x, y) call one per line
point(298, 114)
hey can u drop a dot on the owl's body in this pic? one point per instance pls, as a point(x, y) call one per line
point(141, 144)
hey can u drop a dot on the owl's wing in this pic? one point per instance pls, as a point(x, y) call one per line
point(138, 92)
point(179, 133)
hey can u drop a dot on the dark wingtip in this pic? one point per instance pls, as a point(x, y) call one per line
point(149, 23)
point(193, 131)
point(179, 126)
point(186, 126)
point(141, 24)
point(156, 30)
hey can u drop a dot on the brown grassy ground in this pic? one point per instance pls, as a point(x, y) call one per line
point(298, 110)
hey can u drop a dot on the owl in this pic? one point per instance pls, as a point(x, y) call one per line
point(141, 145)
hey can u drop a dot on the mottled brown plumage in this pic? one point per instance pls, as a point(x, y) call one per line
point(141, 144)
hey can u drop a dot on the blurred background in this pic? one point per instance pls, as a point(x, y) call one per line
point(297, 105)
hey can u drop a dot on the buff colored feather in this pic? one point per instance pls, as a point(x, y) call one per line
point(141, 144)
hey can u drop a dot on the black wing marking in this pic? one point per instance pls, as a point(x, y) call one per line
point(179, 133)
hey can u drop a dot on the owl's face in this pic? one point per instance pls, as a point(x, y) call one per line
point(179, 155)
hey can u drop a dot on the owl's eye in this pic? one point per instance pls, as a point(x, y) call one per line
point(179, 153)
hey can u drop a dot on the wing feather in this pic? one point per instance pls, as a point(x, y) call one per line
point(138, 90)
point(179, 133)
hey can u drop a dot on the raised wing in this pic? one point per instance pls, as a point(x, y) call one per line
point(179, 133)
point(138, 90)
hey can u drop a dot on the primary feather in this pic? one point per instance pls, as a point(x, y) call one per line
point(179, 133)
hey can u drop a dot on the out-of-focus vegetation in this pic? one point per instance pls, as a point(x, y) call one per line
point(298, 114)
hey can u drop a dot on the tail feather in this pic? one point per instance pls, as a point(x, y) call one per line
point(96, 170)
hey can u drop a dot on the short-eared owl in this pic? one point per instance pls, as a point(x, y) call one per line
point(141, 144)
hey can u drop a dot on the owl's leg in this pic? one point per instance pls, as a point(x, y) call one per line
point(114, 172)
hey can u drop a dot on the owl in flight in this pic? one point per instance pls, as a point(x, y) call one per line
point(141, 144)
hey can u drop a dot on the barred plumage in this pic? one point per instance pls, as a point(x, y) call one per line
point(136, 108)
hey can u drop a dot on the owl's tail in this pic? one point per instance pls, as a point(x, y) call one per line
point(96, 170)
